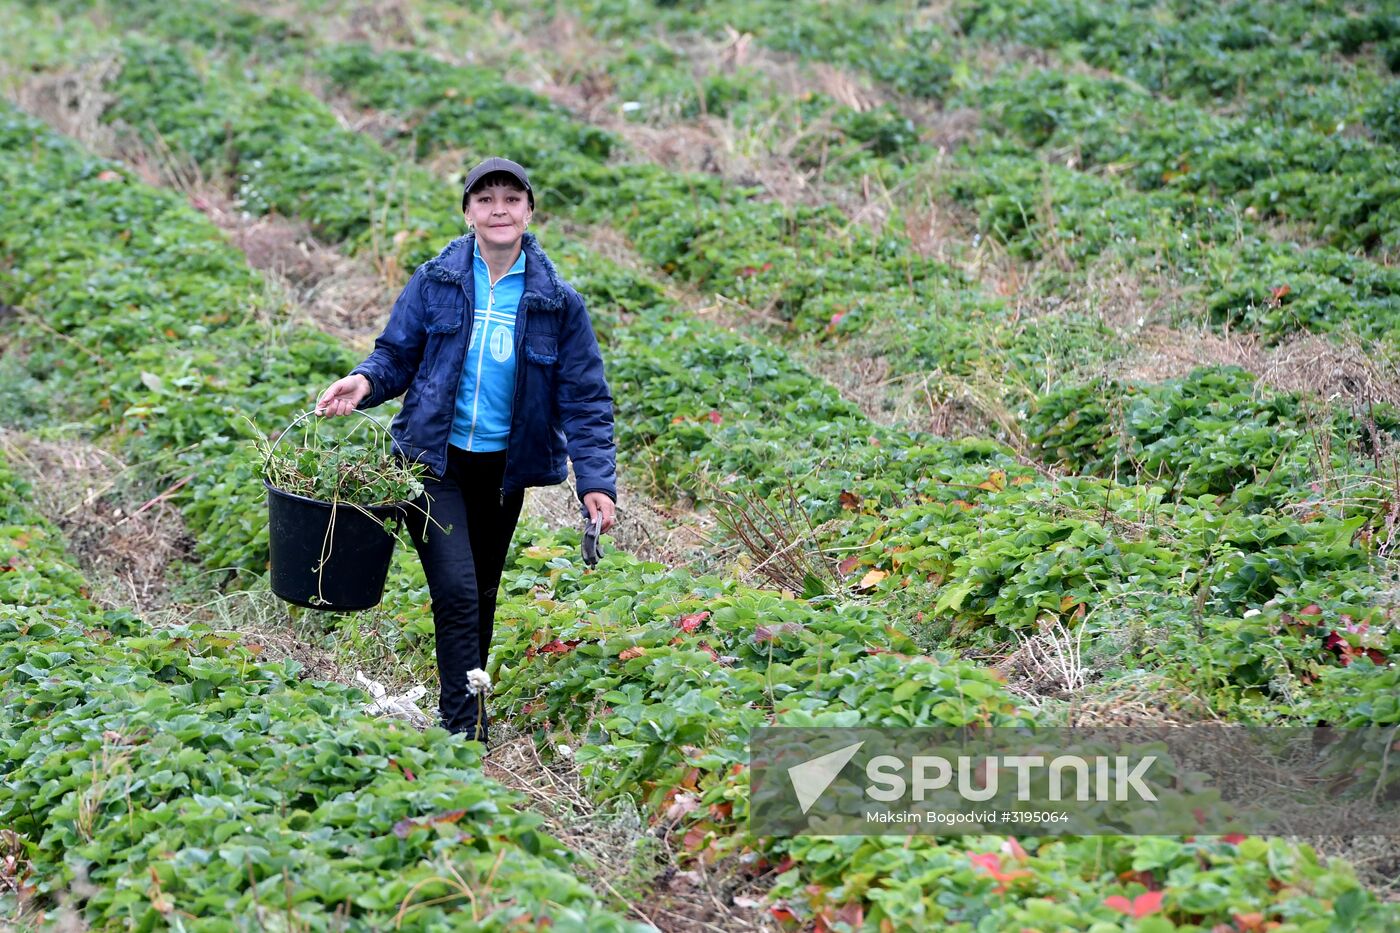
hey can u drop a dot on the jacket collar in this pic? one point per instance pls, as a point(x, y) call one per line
point(543, 289)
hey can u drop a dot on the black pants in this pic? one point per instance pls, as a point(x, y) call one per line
point(463, 568)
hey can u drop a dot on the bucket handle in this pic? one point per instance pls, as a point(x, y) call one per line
point(313, 411)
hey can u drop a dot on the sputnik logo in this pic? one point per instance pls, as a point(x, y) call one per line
point(811, 778)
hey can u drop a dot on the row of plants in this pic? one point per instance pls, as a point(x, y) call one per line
point(808, 266)
point(1185, 451)
point(1192, 163)
point(1231, 55)
point(653, 679)
point(1217, 462)
point(902, 897)
point(789, 261)
point(1299, 63)
point(168, 778)
point(793, 275)
point(1333, 183)
point(912, 863)
point(690, 396)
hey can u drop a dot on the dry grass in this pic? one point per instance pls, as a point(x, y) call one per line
point(645, 528)
point(1339, 370)
point(127, 541)
point(124, 538)
point(636, 863)
point(779, 537)
point(1375, 858)
point(71, 101)
point(563, 64)
point(345, 297)
point(1146, 699)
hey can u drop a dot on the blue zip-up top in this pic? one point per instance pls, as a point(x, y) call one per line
point(487, 388)
point(562, 407)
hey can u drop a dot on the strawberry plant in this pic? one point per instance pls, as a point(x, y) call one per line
point(337, 470)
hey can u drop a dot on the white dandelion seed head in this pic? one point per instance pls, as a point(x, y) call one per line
point(478, 682)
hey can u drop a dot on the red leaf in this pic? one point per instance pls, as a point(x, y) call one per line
point(1148, 903)
point(1015, 850)
point(714, 416)
point(1144, 905)
point(714, 655)
point(847, 565)
point(627, 654)
point(988, 860)
point(782, 914)
point(991, 863)
point(692, 622)
point(1119, 903)
point(1234, 839)
point(835, 319)
point(405, 826)
point(108, 175)
point(451, 816)
point(849, 500)
point(559, 647)
point(1280, 292)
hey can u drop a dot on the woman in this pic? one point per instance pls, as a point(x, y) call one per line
point(494, 398)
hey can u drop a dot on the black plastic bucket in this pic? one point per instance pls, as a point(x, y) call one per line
point(330, 556)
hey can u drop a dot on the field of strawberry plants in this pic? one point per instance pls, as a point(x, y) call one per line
point(757, 200)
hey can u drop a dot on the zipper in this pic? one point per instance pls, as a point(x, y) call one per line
point(481, 353)
point(522, 315)
point(469, 325)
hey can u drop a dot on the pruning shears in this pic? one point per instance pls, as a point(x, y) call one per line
point(592, 550)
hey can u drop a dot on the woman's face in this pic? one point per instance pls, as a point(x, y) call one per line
point(499, 213)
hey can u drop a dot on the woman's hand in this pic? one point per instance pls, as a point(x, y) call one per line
point(597, 502)
point(344, 396)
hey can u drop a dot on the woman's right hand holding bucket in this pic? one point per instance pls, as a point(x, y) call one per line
point(344, 396)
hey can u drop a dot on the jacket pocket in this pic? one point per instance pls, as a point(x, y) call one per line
point(444, 318)
point(542, 349)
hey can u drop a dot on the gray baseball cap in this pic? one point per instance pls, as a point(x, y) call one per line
point(490, 167)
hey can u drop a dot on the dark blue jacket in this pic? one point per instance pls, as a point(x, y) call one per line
point(562, 403)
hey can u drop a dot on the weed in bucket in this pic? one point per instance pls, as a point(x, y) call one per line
point(331, 504)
